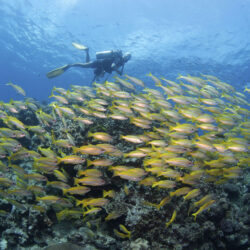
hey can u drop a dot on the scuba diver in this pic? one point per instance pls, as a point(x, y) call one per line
point(106, 62)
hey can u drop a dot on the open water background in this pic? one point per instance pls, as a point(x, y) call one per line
point(165, 37)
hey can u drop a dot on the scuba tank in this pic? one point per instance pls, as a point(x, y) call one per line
point(108, 54)
point(104, 54)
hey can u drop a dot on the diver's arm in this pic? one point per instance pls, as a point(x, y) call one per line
point(122, 69)
point(116, 67)
point(120, 72)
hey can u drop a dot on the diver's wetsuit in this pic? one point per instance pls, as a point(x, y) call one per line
point(105, 62)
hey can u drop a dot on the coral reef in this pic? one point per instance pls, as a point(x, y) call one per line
point(123, 167)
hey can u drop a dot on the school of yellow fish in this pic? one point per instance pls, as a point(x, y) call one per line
point(189, 132)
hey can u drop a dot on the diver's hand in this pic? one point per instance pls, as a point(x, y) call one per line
point(113, 66)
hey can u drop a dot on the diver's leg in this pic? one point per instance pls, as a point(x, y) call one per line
point(87, 55)
point(84, 65)
point(93, 78)
point(82, 47)
point(107, 77)
point(59, 71)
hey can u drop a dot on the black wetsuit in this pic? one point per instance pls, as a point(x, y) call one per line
point(107, 64)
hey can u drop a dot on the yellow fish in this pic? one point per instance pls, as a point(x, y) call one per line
point(133, 174)
point(50, 199)
point(81, 190)
point(164, 184)
point(102, 162)
point(92, 210)
point(135, 80)
point(172, 219)
point(90, 172)
point(70, 159)
point(11, 120)
point(125, 232)
point(179, 162)
point(88, 149)
point(185, 128)
point(180, 191)
point(98, 202)
point(125, 83)
point(203, 208)
point(18, 89)
point(112, 216)
point(90, 181)
point(193, 193)
point(132, 138)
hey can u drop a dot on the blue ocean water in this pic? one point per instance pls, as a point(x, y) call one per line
point(165, 37)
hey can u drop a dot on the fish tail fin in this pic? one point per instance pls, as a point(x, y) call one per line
point(61, 153)
point(78, 202)
point(58, 160)
point(191, 208)
point(9, 159)
point(195, 215)
point(64, 191)
point(158, 84)
point(89, 162)
point(74, 150)
point(171, 194)
point(75, 181)
point(179, 76)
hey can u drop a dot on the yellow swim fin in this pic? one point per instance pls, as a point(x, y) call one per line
point(57, 72)
point(79, 46)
